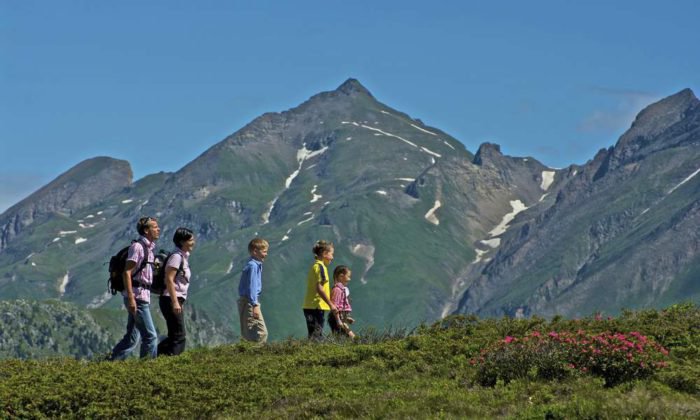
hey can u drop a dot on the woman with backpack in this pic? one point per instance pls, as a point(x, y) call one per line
point(172, 301)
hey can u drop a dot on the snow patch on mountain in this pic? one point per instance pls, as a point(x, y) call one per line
point(547, 179)
point(266, 215)
point(493, 243)
point(64, 282)
point(518, 207)
point(423, 130)
point(303, 154)
point(479, 255)
point(315, 196)
point(684, 181)
point(380, 132)
point(306, 220)
point(430, 215)
point(80, 240)
point(366, 252)
point(430, 152)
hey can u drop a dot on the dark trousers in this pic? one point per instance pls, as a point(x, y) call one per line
point(314, 323)
point(333, 323)
point(174, 344)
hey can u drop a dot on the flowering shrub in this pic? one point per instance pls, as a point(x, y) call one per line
point(615, 357)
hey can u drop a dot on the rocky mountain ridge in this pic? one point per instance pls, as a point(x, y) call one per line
point(427, 227)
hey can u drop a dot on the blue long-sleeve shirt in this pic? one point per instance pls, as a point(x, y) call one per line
point(250, 285)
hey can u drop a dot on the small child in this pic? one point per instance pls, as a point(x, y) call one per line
point(253, 326)
point(340, 296)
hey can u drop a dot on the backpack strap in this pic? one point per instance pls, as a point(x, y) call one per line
point(181, 269)
point(143, 264)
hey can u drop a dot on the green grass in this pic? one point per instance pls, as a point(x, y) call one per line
point(424, 373)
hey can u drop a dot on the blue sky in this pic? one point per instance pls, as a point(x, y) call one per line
point(159, 82)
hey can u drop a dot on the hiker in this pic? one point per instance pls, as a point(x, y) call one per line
point(172, 301)
point(138, 276)
point(340, 296)
point(317, 299)
point(249, 288)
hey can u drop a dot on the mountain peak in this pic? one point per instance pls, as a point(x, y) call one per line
point(658, 116)
point(652, 121)
point(352, 87)
point(487, 151)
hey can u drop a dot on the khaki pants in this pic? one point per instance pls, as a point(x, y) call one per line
point(251, 329)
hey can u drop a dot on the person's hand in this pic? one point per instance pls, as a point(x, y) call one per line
point(131, 306)
point(334, 309)
point(256, 311)
point(177, 309)
point(351, 334)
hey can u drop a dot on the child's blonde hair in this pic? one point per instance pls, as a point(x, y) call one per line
point(339, 271)
point(257, 244)
point(322, 246)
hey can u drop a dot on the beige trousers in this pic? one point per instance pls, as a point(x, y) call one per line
point(251, 329)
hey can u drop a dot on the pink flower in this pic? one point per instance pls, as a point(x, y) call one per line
point(508, 339)
point(553, 334)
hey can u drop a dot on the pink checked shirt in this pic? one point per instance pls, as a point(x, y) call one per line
point(145, 276)
point(339, 297)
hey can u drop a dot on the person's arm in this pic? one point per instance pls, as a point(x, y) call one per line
point(246, 290)
point(170, 273)
point(131, 305)
point(255, 287)
point(321, 292)
point(334, 299)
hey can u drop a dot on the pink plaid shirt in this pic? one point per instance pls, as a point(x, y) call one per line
point(145, 276)
point(339, 297)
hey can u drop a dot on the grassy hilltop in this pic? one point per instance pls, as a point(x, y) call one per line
point(641, 364)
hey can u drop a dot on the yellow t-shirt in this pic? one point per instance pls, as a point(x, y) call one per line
point(317, 274)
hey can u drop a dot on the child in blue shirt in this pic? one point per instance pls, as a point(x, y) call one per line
point(249, 288)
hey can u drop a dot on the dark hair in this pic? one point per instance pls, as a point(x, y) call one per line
point(182, 235)
point(340, 270)
point(321, 246)
point(142, 224)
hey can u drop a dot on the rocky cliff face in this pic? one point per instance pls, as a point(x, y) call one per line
point(79, 187)
point(622, 231)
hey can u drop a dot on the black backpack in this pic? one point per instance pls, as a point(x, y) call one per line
point(117, 265)
point(160, 262)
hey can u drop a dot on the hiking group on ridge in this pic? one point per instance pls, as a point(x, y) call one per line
point(137, 270)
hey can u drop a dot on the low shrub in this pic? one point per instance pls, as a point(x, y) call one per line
point(616, 357)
